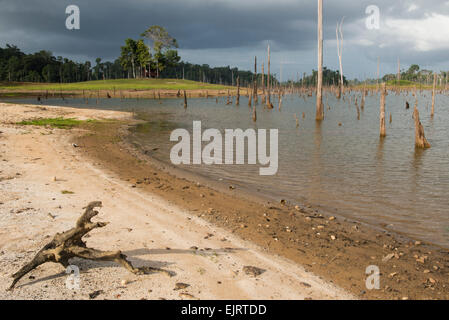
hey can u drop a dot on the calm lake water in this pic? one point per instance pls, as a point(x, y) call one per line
point(345, 170)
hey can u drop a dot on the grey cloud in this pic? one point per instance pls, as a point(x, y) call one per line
point(206, 28)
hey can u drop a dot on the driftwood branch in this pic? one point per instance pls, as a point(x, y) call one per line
point(69, 244)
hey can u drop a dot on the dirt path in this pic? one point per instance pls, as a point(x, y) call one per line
point(148, 229)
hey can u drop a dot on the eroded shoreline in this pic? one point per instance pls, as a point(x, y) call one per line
point(336, 249)
point(46, 180)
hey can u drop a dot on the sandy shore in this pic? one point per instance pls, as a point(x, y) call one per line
point(126, 94)
point(38, 163)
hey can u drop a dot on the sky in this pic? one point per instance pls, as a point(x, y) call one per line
point(232, 32)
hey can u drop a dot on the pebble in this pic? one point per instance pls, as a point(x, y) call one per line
point(253, 271)
point(181, 285)
point(124, 282)
point(388, 257)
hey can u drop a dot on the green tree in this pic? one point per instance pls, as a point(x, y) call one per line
point(97, 68)
point(161, 42)
point(143, 56)
point(129, 56)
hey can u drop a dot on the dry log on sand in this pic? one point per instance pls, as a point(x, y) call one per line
point(69, 244)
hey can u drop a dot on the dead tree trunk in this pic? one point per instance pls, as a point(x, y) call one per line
point(69, 244)
point(362, 103)
point(319, 89)
point(383, 132)
point(237, 102)
point(256, 98)
point(339, 33)
point(280, 100)
point(254, 112)
point(420, 139)
point(185, 100)
point(263, 80)
point(269, 105)
point(378, 72)
point(432, 113)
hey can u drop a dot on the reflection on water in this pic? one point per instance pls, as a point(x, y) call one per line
point(340, 164)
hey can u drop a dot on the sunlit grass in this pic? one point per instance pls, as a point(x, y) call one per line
point(120, 84)
point(61, 123)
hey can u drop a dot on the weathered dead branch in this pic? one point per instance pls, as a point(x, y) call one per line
point(69, 244)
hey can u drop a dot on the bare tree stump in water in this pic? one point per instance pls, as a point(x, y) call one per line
point(420, 139)
point(362, 103)
point(280, 100)
point(383, 132)
point(255, 91)
point(185, 100)
point(69, 244)
point(319, 87)
point(237, 102)
point(433, 95)
point(268, 99)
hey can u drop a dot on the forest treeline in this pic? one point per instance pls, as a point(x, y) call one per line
point(42, 66)
point(158, 59)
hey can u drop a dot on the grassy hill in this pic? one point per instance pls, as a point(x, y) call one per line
point(404, 83)
point(121, 84)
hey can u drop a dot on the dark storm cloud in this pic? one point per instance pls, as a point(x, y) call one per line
point(207, 28)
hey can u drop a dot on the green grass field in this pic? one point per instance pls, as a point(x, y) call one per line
point(405, 83)
point(121, 84)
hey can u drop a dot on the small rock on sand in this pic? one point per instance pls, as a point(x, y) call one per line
point(181, 285)
point(253, 271)
point(388, 257)
point(95, 294)
point(187, 296)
